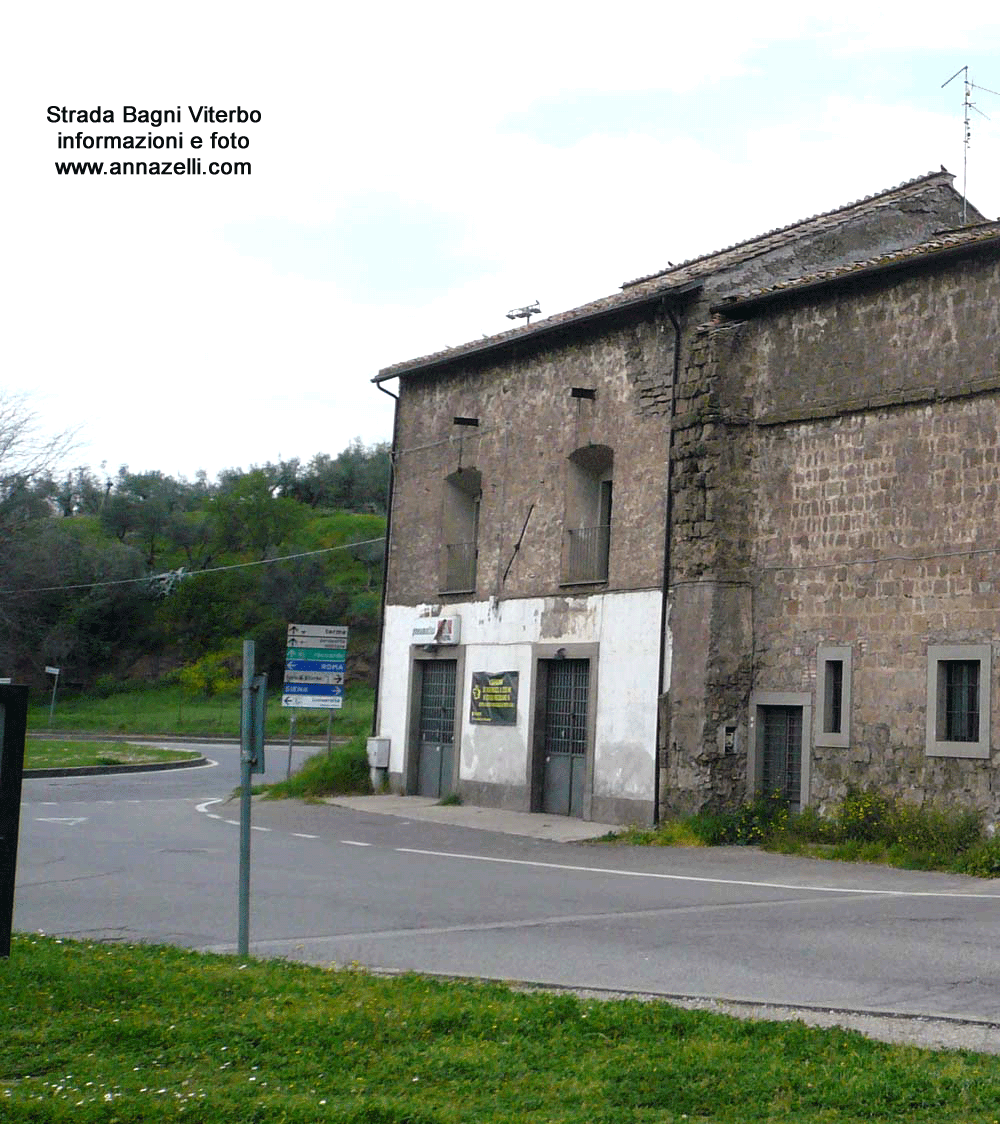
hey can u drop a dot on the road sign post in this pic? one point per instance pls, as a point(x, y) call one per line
point(252, 719)
point(315, 673)
point(55, 683)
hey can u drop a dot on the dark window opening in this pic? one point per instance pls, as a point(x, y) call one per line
point(960, 690)
point(833, 697)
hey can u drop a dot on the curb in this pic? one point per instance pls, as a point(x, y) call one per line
point(102, 770)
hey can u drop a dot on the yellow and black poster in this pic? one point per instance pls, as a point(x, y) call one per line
point(494, 698)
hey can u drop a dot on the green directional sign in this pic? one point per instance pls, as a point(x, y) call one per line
point(323, 654)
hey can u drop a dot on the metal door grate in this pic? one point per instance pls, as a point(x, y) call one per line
point(437, 702)
point(783, 752)
point(566, 707)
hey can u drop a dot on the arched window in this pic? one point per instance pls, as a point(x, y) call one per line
point(588, 515)
point(462, 492)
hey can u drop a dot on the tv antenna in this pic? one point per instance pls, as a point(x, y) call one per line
point(525, 312)
point(969, 106)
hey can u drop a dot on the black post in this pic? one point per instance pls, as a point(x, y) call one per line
point(13, 725)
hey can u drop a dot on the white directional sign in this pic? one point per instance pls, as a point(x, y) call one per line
point(315, 666)
point(328, 631)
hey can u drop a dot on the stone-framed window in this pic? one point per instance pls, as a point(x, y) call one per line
point(587, 537)
point(833, 696)
point(959, 679)
point(460, 531)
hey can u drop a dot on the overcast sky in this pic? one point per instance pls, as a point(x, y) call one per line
point(418, 170)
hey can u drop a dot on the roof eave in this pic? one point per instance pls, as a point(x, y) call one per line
point(542, 330)
point(913, 263)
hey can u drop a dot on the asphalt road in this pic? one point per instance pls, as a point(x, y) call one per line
point(154, 857)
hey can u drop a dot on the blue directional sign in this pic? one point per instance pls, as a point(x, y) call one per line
point(315, 666)
point(318, 689)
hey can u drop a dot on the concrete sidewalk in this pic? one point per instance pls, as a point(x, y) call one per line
point(558, 829)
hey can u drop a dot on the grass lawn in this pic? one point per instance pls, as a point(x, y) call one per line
point(168, 709)
point(112, 1033)
point(63, 754)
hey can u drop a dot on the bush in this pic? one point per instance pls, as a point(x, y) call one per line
point(341, 772)
point(982, 860)
point(935, 829)
point(750, 824)
point(864, 816)
point(214, 674)
point(808, 826)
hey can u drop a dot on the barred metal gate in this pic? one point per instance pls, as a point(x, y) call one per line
point(565, 736)
point(436, 729)
point(782, 745)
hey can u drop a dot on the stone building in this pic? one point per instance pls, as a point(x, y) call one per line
point(681, 543)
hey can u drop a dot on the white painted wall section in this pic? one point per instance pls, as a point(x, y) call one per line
point(499, 636)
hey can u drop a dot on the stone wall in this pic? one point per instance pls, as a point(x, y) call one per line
point(836, 477)
point(529, 424)
point(875, 512)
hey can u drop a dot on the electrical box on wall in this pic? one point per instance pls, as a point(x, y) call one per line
point(378, 753)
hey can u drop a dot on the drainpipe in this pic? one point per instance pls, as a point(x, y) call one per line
point(667, 527)
point(385, 564)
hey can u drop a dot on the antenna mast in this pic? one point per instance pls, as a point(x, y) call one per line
point(968, 105)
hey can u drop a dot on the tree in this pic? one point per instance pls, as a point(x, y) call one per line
point(24, 456)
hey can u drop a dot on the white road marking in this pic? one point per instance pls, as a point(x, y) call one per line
point(71, 820)
point(354, 843)
point(254, 827)
point(300, 835)
point(710, 881)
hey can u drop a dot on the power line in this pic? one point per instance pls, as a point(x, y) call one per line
point(184, 574)
point(879, 561)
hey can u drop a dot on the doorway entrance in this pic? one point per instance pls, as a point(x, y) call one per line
point(781, 743)
point(564, 739)
point(436, 728)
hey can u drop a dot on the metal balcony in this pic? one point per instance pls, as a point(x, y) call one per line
point(460, 567)
point(586, 555)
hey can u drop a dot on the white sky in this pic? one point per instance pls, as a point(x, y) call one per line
point(420, 169)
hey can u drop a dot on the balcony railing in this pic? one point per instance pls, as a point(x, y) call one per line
point(459, 567)
point(586, 556)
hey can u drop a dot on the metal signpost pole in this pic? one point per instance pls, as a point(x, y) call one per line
point(291, 742)
point(246, 760)
point(13, 723)
point(55, 683)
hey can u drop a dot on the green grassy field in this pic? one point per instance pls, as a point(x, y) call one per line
point(64, 754)
point(111, 1033)
point(167, 709)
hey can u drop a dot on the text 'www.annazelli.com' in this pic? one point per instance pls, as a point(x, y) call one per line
point(191, 167)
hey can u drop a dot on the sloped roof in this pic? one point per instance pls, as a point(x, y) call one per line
point(676, 282)
point(784, 235)
point(618, 302)
point(944, 244)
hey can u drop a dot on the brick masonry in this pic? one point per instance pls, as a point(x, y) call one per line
point(529, 425)
point(837, 475)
